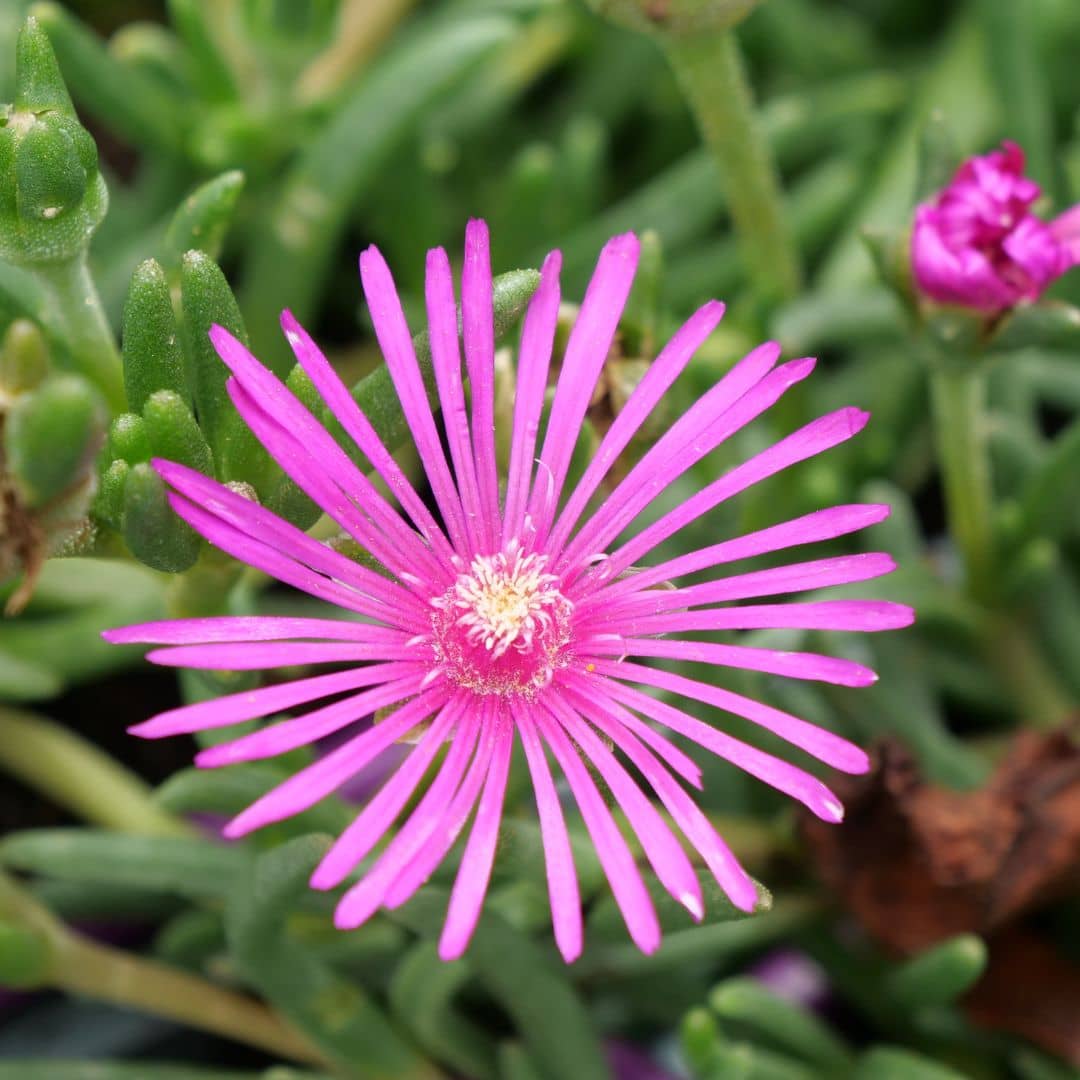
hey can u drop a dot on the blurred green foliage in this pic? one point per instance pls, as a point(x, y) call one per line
point(246, 150)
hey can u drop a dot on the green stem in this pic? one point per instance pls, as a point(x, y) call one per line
point(106, 974)
point(710, 71)
point(959, 407)
point(78, 776)
point(79, 315)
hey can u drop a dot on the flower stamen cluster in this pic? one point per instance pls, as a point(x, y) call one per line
point(502, 627)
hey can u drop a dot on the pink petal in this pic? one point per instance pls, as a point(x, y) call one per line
point(246, 628)
point(428, 834)
point(446, 361)
point(304, 730)
point(534, 359)
point(357, 426)
point(276, 402)
point(558, 856)
point(793, 665)
point(622, 873)
point(309, 785)
point(619, 725)
point(867, 616)
point(775, 772)
point(684, 445)
point(474, 873)
point(822, 744)
point(811, 528)
point(396, 344)
point(813, 439)
point(662, 372)
point(659, 843)
point(478, 331)
point(256, 656)
point(601, 608)
point(372, 823)
point(263, 540)
point(586, 353)
point(354, 843)
point(254, 704)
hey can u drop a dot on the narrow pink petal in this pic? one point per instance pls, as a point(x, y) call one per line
point(446, 362)
point(256, 656)
point(280, 405)
point(586, 352)
point(824, 745)
point(602, 607)
point(245, 547)
point(246, 628)
point(813, 439)
point(355, 843)
point(429, 832)
point(666, 750)
point(397, 548)
point(792, 665)
point(615, 857)
point(303, 730)
point(534, 360)
point(558, 857)
point(478, 331)
point(811, 528)
point(474, 873)
point(866, 616)
point(754, 387)
point(357, 426)
point(309, 785)
point(779, 774)
point(397, 349)
point(269, 531)
point(448, 826)
point(254, 704)
point(619, 725)
point(662, 372)
point(372, 823)
point(661, 846)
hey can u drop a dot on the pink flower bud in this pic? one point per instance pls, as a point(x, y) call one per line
point(978, 245)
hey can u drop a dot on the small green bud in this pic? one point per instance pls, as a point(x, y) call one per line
point(155, 535)
point(24, 360)
point(109, 501)
point(174, 434)
point(207, 299)
point(52, 194)
point(152, 356)
point(128, 439)
point(24, 957)
point(891, 251)
point(203, 218)
point(51, 436)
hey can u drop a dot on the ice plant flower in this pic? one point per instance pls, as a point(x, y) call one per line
point(977, 243)
point(510, 613)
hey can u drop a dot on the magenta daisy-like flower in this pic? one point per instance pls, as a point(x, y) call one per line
point(510, 613)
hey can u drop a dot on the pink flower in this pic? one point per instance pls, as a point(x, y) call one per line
point(978, 245)
point(510, 613)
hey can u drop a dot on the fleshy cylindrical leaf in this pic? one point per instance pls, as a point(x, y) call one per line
point(155, 535)
point(174, 434)
point(51, 436)
point(203, 218)
point(153, 358)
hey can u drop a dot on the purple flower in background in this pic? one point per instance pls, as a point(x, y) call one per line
point(977, 244)
point(511, 615)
